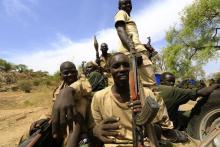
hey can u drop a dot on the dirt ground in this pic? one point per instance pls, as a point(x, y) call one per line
point(16, 115)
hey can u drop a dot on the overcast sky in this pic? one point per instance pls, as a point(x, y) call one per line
point(43, 33)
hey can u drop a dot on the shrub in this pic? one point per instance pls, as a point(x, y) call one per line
point(36, 82)
point(25, 86)
point(14, 88)
point(46, 82)
point(28, 103)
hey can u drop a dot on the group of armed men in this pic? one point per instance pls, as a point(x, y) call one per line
point(95, 108)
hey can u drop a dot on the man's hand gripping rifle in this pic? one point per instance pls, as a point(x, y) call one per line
point(149, 110)
point(150, 49)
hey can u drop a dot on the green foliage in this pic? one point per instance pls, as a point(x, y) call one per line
point(191, 45)
point(47, 82)
point(21, 68)
point(14, 88)
point(28, 103)
point(41, 73)
point(36, 82)
point(25, 86)
point(52, 80)
point(216, 75)
point(159, 63)
point(56, 76)
point(5, 66)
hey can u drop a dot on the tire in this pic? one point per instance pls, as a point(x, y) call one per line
point(207, 119)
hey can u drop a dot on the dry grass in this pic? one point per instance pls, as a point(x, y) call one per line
point(19, 109)
point(37, 98)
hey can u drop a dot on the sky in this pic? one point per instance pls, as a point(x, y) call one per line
point(44, 33)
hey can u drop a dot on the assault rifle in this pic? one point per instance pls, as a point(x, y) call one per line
point(149, 108)
point(42, 137)
point(150, 49)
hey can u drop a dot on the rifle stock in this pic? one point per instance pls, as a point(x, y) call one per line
point(34, 141)
point(41, 138)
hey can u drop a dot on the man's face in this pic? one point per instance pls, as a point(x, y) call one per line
point(69, 74)
point(169, 80)
point(90, 68)
point(125, 5)
point(120, 68)
point(104, 48)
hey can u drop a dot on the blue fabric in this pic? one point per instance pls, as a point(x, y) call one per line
point(157, 78)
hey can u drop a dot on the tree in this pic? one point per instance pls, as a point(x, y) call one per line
point(5, 66)
point(159, 63)
point(56, 76)
point(21, 68)
point(195, 41)
point(216, 75)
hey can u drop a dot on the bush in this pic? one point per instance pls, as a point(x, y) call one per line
point(14, 88)
point(25, 86)
point(28, 103)
point(46, 82)
point(36, 82)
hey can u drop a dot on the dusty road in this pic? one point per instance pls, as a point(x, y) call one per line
point(16, 116)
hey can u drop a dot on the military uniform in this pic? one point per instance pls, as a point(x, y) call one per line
point(97, 80)
point(83, 95)
point(57, 90)
point(174, 97)
point(104, 63)
point(104, 105)
point(146, 69)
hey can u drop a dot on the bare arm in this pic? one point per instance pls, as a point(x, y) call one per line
point(207, 90)
point(63, 112)
point(125, 39)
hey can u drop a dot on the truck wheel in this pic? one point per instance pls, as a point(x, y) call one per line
point(201, 125)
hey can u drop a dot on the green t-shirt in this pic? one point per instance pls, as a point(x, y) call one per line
point(174, 97)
